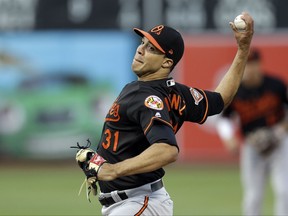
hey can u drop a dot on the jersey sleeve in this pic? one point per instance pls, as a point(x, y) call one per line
point(201, 104)
point(161, 133)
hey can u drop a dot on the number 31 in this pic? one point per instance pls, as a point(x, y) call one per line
point(111, 137)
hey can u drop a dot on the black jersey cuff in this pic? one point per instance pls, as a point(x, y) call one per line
point(216, 103)
point(161, 133)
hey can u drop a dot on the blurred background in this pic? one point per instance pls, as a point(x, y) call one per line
point(62, 64)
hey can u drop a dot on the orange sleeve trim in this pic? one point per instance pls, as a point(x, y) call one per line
point(206, 111)
point(143, 207)
point(158, 119)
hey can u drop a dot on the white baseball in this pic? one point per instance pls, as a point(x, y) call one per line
point(240, 23)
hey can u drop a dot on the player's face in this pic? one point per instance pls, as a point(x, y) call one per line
point(252, 75)
point(148, 59)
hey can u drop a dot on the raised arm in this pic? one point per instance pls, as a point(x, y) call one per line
point(229, 85)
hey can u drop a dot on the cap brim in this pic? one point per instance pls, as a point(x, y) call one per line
point(149, 37)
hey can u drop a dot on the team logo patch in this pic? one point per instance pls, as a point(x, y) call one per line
point(154, 102)
point(196, 95)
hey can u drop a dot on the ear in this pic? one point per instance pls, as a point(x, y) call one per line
point(167, 63)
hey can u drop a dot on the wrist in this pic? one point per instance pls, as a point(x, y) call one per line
point(107, 172)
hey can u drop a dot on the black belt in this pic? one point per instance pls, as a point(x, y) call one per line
point(107, 201)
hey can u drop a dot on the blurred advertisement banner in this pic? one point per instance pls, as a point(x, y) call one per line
point(77, 14)
point(185, 15)
point(206, 59)
point(56, 87)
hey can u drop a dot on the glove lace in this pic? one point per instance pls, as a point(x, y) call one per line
point(88, 144)
point(88, 190)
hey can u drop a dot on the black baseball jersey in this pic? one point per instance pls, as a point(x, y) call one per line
point(146, 113)
point(260, 106)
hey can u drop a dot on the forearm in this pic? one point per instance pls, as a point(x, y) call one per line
point(232, 79)
point(153, 158)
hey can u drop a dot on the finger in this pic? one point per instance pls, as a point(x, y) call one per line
point(91, 180)
point(248, 20)
point(232, 26)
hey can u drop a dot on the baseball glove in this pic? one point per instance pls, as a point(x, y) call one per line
point(264, 140)
point(90, 162)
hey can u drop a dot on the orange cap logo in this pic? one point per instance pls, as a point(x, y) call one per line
point(158, 29)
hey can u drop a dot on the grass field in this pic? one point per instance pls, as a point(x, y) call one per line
point(52, 190)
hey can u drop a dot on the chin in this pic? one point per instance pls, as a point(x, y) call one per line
point(135, 69)
point(137, 73)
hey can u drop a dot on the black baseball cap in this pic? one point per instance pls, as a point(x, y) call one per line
point(168, 40)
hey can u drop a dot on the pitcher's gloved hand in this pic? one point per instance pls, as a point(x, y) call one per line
point(93, 166)
point(90, 162)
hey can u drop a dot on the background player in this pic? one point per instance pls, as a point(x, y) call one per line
point(138, 137)
point(260, 106)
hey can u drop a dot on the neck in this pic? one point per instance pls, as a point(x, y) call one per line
point(253, 83)
point(151, 77)
point(161, 74)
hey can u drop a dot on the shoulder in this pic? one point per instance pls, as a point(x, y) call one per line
point(274, 79)
point(182, 86)
point(140, 95)
point(131, 86)
point(194, 93)
point(274, 82)
point(156, 87)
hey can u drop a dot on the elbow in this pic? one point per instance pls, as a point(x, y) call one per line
point(173, 155)
point(164, 154)
point(227, 96)
point(227, 103)
point(226, 100)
